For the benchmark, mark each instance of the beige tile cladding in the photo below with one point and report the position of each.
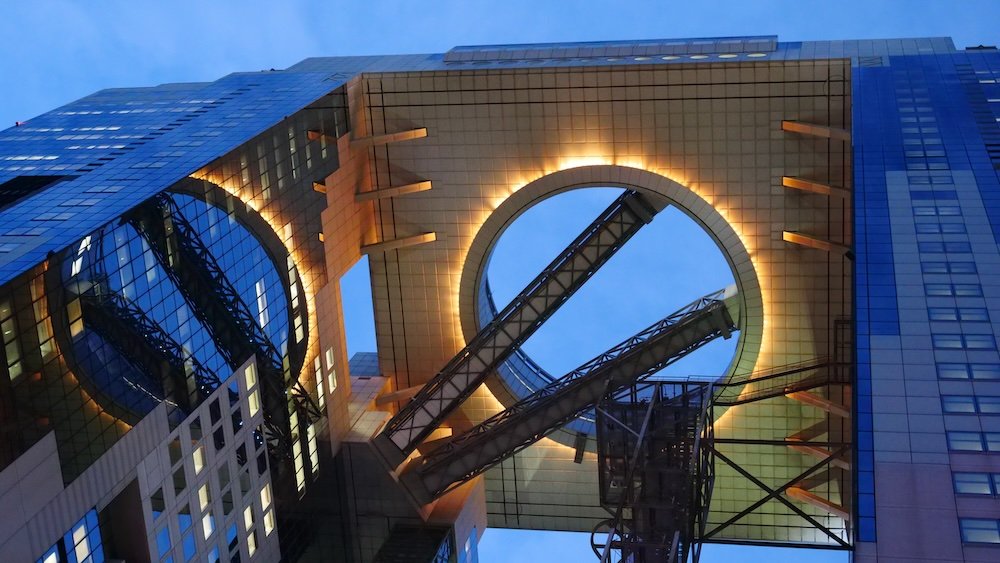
(714, 129)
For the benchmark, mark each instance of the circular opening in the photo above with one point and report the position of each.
(669, 263)
(119, 272)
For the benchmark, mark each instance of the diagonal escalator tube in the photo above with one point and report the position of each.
(532, 418)
(512, 326)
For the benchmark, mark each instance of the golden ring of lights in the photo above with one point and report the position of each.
(652, 184)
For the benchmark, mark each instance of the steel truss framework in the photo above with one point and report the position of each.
(141, 339)
(512, 326)
(217, 304)
(798, 381)
(656, 468)
(526, 422)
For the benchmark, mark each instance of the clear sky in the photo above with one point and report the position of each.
(53, 52)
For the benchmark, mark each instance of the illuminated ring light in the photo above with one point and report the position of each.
(473, 282)
(102, 389)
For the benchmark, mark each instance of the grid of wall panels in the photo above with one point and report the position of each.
(206, 491)
(714, 130)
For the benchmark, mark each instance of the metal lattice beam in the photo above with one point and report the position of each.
(526, 422)
(512, 326)
(213, 299)
(140, 339)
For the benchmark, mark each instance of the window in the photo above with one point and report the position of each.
(965, 442)
(940, 228)
(265, 497)
(970, 404)
(958, 404)
(964, 341)
(948, 267)
(953, 290)
(268, 522)
(198, 456)
(968, 371)
(966, 314)
(163, 541)
(979, 530)
(203, 497)
(975, 483)
(254, 403)
(921, 209)
(937, 246)
(988, 405)
(979, 341)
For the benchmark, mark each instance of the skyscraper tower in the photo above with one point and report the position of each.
(175, 375)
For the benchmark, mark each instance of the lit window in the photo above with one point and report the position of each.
(81, 546)
(318, 374)
(329, 359)
(208, 525)
(199, 459)
(262, 314)
(268, 522)
(254, 402)
(313, 448)
(250, 376)
(979, 530)
(203, 497)
(265, 496)
(248, 518)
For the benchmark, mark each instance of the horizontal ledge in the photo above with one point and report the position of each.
(807, 497)
(814, 187)
(400, 395)
(813, 242)
(314, 135)
(821, 453)
(393, 191)
(399, 136)
(319, 187)
(820, 403)
(814, 130)
(394, 244)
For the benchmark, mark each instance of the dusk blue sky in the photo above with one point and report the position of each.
(54, 52)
